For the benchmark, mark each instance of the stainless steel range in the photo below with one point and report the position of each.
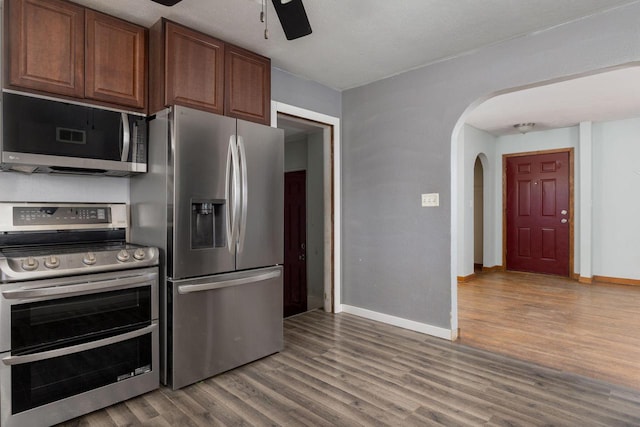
(78, 311)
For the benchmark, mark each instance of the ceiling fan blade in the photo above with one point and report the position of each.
(167, 2)
(293, 18)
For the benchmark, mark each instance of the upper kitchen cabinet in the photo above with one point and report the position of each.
(60, 48)
(247, 85)
(195, 70)
(187, 68)
(45, 46)
(115, 61)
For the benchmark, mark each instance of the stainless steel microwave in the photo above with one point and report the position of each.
(53, 136)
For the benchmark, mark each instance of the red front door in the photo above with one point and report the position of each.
(295, 235)
(537, 213)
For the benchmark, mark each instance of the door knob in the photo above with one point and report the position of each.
(563, 212)
(564, 220)
(301, 257)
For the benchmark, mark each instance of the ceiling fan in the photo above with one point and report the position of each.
(291, 13)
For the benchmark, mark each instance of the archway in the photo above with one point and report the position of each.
(594, 163)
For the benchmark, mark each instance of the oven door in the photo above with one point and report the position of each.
(76, 345)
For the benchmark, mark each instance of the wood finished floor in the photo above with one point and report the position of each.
(591, 330)
(341, 370)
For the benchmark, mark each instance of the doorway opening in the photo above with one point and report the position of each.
(311, 220)
(478, 215)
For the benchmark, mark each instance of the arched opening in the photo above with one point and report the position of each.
(602, 145)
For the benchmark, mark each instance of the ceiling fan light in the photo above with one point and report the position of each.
(524, 127)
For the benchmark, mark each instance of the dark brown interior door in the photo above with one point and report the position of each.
(537, 213)
(295, 235)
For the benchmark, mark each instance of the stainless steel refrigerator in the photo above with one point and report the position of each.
(212, 200)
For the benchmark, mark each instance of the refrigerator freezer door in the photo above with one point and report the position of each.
(261, 233)
(202, 200)
(222, 322)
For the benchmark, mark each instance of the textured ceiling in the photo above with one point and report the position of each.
(355, 42)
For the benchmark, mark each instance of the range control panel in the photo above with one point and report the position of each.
(50, 215)
(37, 216)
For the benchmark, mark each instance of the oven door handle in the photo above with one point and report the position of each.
(83, 288)
(44, 355)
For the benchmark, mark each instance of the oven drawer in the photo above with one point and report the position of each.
(48, 387)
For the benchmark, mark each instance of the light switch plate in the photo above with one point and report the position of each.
(431, 199)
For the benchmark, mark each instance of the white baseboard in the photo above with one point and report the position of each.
(412, 325)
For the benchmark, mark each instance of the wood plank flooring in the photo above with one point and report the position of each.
(592, 330)
(341, 370)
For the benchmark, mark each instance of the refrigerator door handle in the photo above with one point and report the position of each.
(245, 189)
(187, 289)
(231, 193)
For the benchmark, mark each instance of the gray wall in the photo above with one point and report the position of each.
(396, 144)
(307, 94)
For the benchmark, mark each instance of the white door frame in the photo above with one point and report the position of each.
(332, 134)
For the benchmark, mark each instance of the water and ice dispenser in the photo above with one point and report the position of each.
(207, 224)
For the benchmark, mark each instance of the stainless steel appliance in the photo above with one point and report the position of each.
(78, 312)
(213, 202)
(46, 135)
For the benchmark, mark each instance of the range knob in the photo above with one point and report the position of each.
(29, 264)
(89, 258)
(123, 255)
(139, 254)
(52, 262)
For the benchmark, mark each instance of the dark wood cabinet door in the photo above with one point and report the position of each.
(194, 75)
(115, 61)
(46, 46)
(247, 85)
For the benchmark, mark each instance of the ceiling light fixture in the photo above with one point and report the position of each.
(167, 2)
(524, 127)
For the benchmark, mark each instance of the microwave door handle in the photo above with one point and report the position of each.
(126, 137)
(244, 197)
(65, 351)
